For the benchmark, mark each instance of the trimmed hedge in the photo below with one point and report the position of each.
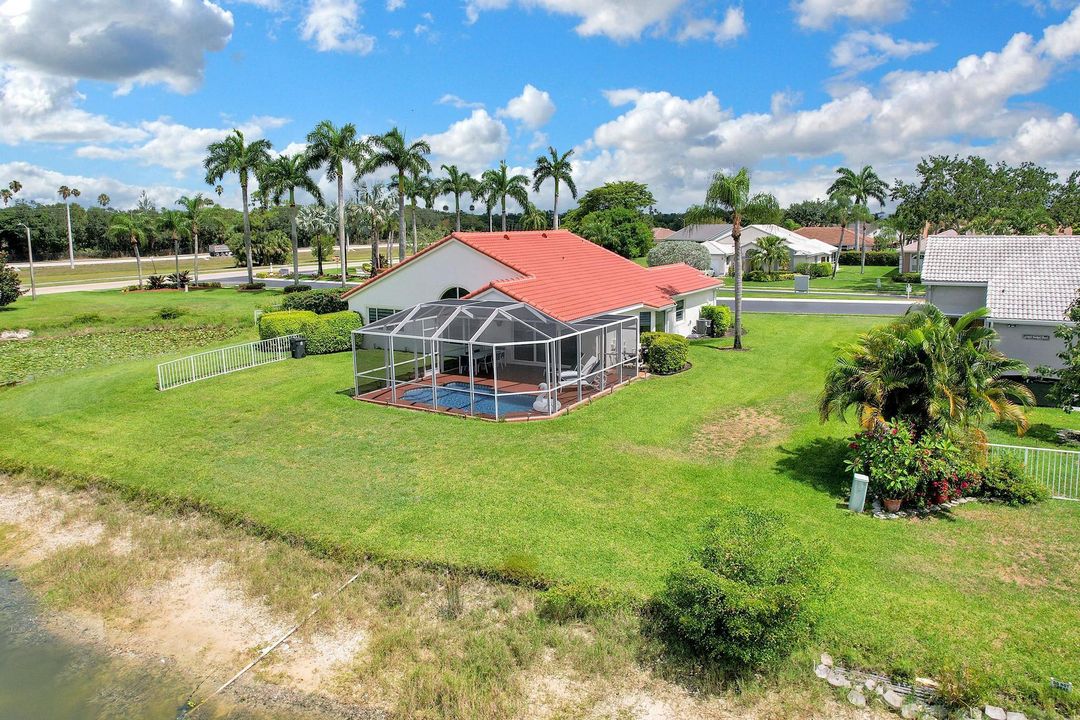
(324, 334)
(320, 302)
(908, 277)
(671, 252)
(289, 289)
(665, 353)
(721, 316)
(248, 287)
(873, 257)
(814, 270)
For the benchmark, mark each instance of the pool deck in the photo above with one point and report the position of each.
(568, 397)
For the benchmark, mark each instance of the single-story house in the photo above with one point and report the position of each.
(1028, 283)
(800, 249)
(840, 238)
(556, 272)
(661, 234)
(702, 232)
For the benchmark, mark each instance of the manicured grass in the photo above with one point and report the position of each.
(613, 493)
(849, 278)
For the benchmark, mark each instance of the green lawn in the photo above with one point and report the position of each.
(611, 494)
(849, 279)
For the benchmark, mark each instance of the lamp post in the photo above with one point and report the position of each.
(30, 253)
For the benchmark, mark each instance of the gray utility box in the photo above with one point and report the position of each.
(703, 327)
(298, 347)
(802, 283)
(859, 484)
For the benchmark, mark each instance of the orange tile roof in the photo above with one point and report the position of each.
(569, 277)
(831, 234)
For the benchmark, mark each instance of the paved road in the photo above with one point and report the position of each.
(80, 262)
(233, 276)
(823, 307)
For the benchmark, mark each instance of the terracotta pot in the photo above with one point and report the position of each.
(892, 505)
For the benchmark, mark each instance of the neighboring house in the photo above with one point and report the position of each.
(701, 233)
(1026, 281)
(800, 249)
(831, 235)
(555, 272)
(661, 234)
(911, 257)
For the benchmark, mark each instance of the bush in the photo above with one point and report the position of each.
(671, 252)
(1005, 478)
(814, 270)
(204, 285)
(171, 312)
(564, 603)
(665, 353)
(179, 280)
(285, 322)
(330, 333)
(289, 289)
(320, 302)
(908, 277)
(748, 596)
(9, 283)
(245, 287)
(155, 282)
(722, 319)
(873, 257)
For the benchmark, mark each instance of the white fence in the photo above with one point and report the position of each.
(1058, 470)
(225, 360)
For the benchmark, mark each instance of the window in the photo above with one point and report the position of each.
(680, 309)
(375, 314)
(645, 321)
(454, 293)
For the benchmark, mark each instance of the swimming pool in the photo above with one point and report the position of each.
(455, 396)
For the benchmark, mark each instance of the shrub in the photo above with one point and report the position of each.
(908, 277)
(814, 270)
(171, 312)
(204, 285)
(1006, 479)
(285, 322)
(574, 601)
(155, 282)
(665, 353)
(321, 302)
(179, 280)
(873, 257)
(886, 453)
(245, 287)
(749, 594)
(289, 289)
(671, 252)
(721, 316)
(330, 333)
(9, 283)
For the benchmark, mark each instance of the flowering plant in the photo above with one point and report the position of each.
(886, 454)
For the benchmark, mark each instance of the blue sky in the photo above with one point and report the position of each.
(118, 99)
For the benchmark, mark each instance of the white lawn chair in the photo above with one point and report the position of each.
(581, 373)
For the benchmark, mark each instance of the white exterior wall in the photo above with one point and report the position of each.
(1034, 344)
(425, 279)
(956, 300)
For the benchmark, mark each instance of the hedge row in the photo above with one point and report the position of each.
(873, 257)
(721, 316)
(665, 353)
(814, 270)
(324, 334)
(321, 302)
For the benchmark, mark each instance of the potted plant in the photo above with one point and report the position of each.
(886, 454)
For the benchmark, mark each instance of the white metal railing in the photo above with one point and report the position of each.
(222, 361)
(1058, 470)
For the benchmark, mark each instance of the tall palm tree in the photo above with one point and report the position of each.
(10, 191)
(416, 188)
(287, 174)
(235, 155)
(66, 193)
(193, 207)
(175, 224)
(533, 218)
(103, 200)
(456, 183)
(391, 150)
(377, 207)
(319, 224)
(555, 167)
(334, 147)
(860, 187)
(500, 185)
(840, 212)
(6, 196)
(126, 227)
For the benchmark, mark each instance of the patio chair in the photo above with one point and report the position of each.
(581, 373)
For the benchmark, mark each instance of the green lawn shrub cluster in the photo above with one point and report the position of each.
(671, 252)
(324, 334)
(289, 289)
(321, 302)
(908, 277)
(665, 353)
(749, 594)
(814, 270)
(1005, 479)
(248, 287)
(873, 257)
(722, 319)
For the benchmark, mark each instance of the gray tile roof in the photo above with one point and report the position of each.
(700, 233)
(1027, 277)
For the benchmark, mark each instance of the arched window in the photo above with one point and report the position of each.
(454, 293)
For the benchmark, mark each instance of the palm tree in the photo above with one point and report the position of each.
(5, 195)
(533, 218)
(10, 191)
(235, 155)
(333, 147)
(860, 187)
(318, 223)
(390, 150)
(125, 227)
(103, 200)
(14, 186)
(923, 369)
(558, 168)
(500, 184)
(65, 193)
(840, 212)
(456, 183)
(377, 207)
(772, 252)
(287, 174)
(193, 209)
(417, 187)
(175, 223)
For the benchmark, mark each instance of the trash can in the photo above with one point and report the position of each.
(859, 484)
(802, 283)
(299, 349)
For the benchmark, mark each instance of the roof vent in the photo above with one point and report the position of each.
(543, 235)
(506, 236)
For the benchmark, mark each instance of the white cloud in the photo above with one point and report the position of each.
(334, 26)
(819, 14)
(145, 42)
(1053, 138)
(731, 27)
(39, 184)
(392, 5)
(455, 101)
(616, 19)
(473, 144)
(533, 108)
(1061, 42)
(862, 50)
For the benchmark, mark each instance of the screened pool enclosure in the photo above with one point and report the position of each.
(494, 359)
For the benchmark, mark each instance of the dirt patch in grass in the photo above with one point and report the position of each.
(727, 434)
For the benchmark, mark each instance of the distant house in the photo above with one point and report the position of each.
(1026, 281)
(556, 272)
(661, 234)
(800, 249)
(831, 235)
(702, 232)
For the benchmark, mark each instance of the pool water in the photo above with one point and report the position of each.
(455, 396)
